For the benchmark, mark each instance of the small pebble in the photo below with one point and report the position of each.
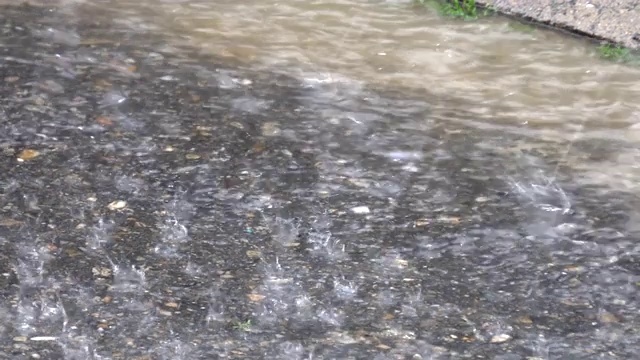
(117, 205)
(27, 154)
(44, 338)
(360, 210)
(498, 339)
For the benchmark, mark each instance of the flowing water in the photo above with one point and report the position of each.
(505, 76)
(312, 180)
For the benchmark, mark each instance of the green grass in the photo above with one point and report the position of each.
(242, 325)
(461, 9)
(619, 54)
(614, 52)
(464, 9)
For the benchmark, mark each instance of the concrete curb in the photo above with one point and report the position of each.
(616, 21)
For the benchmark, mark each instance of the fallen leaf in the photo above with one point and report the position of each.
(103, 272)
(468, 339)
(270, 128)
(255, 297)
(10, 222)
(192, 156)
(237, 125)
(401, 262)
(525, 320)
(573, 268)
(204, 131)
(258, 147)
(71, 252)
(28, 154)
(449, 219)
(117, 205)
(608, 318)
(172, 304)
(104, 121)
(102, 84)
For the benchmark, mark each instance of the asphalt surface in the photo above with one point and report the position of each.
(156, 204)
(616, 21)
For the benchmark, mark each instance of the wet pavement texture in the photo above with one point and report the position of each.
(157, 204)
(613, 20)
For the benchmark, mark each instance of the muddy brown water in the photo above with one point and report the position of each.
(511, 77)
(312, 179)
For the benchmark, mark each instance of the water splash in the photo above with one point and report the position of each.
(327, 246)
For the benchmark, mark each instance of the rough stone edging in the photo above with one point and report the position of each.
(616, 21)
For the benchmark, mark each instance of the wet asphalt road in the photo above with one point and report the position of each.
(157, 204)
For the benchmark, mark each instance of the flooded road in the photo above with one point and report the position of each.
(303, 180)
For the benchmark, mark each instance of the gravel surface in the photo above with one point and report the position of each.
(617, 21)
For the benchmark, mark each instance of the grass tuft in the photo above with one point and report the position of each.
(464, 9)
(242, 325)
(461, 9)
(614, 52)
